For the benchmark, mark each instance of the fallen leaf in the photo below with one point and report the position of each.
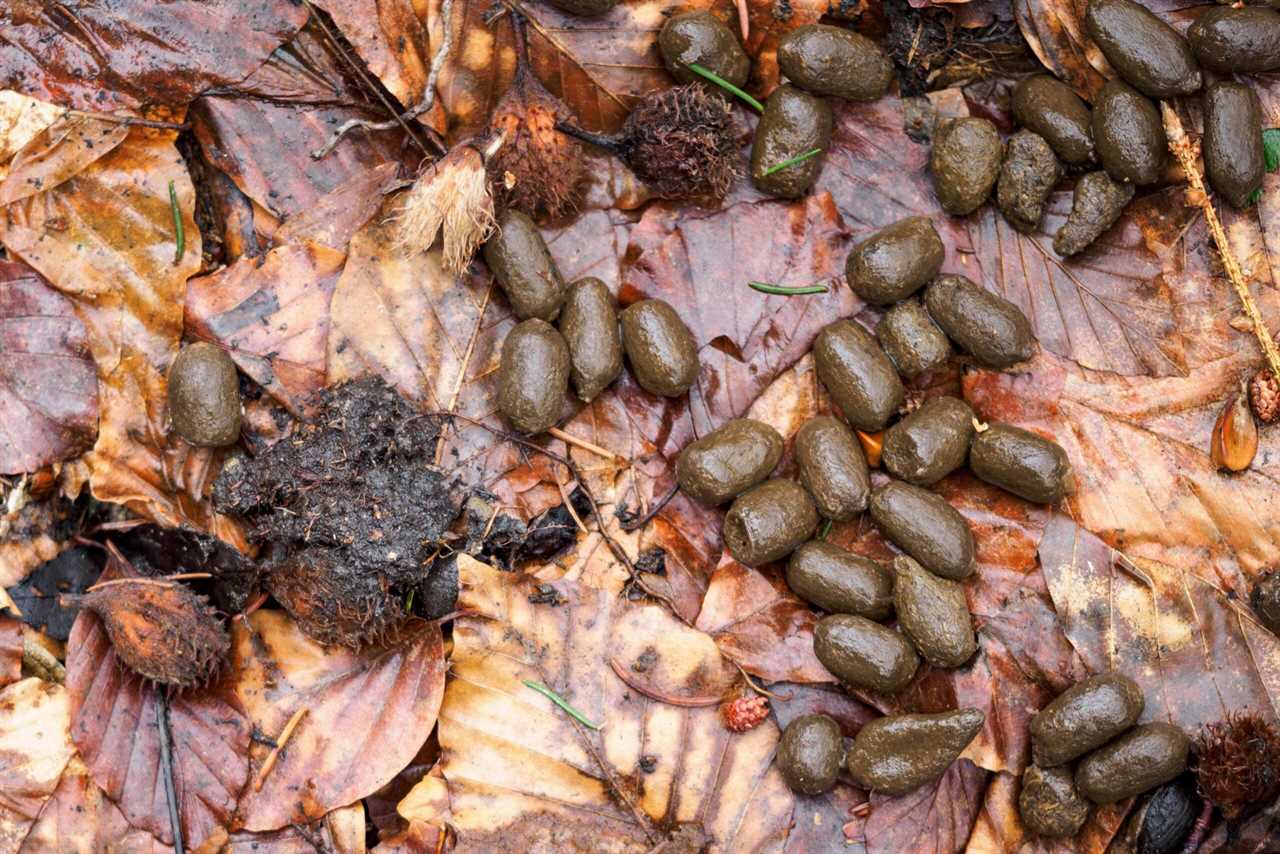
(34, 748)
(10, 650)
(79, 817)
(65, 147)
(339, 832)
(21, 118)
(934, 819)
(391, 37)
(335, 218)
(271, 315)
(114, 726)
(48, 386)
(72, 571)
(137, 53)
(999, 827)
(340, 751)
(522, 770)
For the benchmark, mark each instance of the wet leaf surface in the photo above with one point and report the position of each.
(72, 571)
(343, 749)
(79, 817)
(34, 748)
(48, 386)
(139, 53)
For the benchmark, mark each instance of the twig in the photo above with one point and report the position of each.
(163, 581)
(570, 439)
(132, 121)
(369, 84)
(652, 511)
(428, 94)
(466, 362)
(568, 505)
(179, 234)
(561, 702)
(280, 743)
(166, 767)
(1185, 151)
(757, 688)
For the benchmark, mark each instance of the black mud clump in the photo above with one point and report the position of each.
(350, 509)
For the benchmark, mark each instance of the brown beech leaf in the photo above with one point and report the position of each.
(934, 819)
(263, 131)
(10, 650)
(138, 53)
(341, 750)
(1197, 653)
(69, 144)
(524, 775)
(338, 832)
(34, 748)
(114, 726)
(271, 314)
(21, 119)
(129, 294)
(79, 817)
(391, 37)
(1000, 828)
(48, 386)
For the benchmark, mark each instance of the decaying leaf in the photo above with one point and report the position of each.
(79, 817)
(35, 745)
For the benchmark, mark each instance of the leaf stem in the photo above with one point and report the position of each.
(781, 290)
(725, 85)
(178, 231)
(560, 701)
(792, 161)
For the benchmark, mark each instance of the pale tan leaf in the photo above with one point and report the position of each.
(35, 745)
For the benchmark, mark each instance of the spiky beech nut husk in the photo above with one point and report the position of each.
(1238, 762)
(334, 603)
(1264, 396)
(683, 143)
(538, 169)
(452, 196)
(1234, 441)
(744, 712)
(160, 630)
(1266, 600)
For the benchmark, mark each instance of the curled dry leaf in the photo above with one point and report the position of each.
(114, 726)
(520, 769)
(175, 49)
(35, 746)
(340, 752)
(48, 386)
(271, 314)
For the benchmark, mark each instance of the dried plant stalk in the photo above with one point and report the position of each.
(453, 197)
(1185, 150)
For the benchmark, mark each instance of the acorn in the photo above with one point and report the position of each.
(1238, 762)
(681, 142)
(538, 169)
(335, 604)
(159, 629)
(1234, 441)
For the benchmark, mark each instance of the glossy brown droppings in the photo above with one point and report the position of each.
(1232, 142)
(930, 443)
(522, 266)
(839, 581)
(833, 468)
(965, 162)
(895, 754)
(925, 526)
(1141, 759)
(589, 326)
(809, 754)
(533, 376)
(1053, 110)
(204, 396)
(1096, 204)
(1028, 175)
(864, 654)
(793, 124)
(767, 522)
(857, 374)
(1085, 716)
(1237, 41)
(1021, 462)
(1148, 53)
(911, 340)
(895, 262)
(659, 347)
(835, 61)
(728, 461)
(585, 8)
(987, 326)
(1049, 804)
(700, 38)
(934, 614)
(1129, 134)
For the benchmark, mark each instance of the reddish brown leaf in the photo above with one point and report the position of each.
(391, 37)
(339, 214)
(999, 827)
(48, 386)
(138, 53)
(934, 819)
(271, 314)
(80, 818)
(34, 748)
(10, 650)
(56, 153)
(114, 726)
(340, 751)
(339, 832)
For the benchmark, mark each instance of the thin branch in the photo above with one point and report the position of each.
(132, 121)
(570, 439)
(402, 119)
(643, 520)
(166, 767)
(274, 756)
(1184, 149)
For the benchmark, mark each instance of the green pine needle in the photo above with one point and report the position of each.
(766, 288)
(179, 233)
(1254, 198)
(799, 158)
(559, 701)
(826, 529)
(725, 85)
(1271, 148)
